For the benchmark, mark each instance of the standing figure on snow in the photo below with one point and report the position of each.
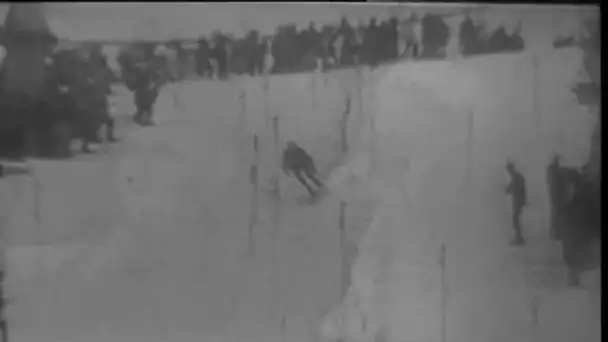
(101, 84)
(578, 224)
(516, 190)
(297, 161)
(147, 87)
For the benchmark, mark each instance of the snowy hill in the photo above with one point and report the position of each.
(149, 241)
(443, 131)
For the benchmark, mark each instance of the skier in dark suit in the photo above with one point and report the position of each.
(516, 189)
(147, 86)
(297, 161)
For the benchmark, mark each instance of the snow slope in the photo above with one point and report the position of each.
(435, 183)
(148, 241)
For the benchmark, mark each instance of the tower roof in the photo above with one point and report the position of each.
(26, 18)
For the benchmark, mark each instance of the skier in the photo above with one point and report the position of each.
(516, 190)
(297, 161)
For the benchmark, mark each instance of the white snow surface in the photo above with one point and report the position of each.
(148, 240)
(434, 183)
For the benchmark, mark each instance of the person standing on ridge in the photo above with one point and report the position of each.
(516, 190)
(297, 161)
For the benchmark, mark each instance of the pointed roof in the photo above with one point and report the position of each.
(26, 17)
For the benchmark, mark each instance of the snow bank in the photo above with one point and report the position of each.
(438, 180)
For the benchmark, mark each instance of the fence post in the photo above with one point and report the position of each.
(253, 210)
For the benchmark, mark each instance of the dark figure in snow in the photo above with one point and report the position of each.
(102, 85)
(203, 53)
(576, 219)
(516, 190)
(297, 161)
(219, 54)
(578, 225)
(147, 87)
(74, 94)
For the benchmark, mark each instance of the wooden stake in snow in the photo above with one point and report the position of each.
(343, 253)
(253, 211)
(444, 292)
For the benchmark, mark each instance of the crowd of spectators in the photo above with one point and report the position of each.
(332, 45)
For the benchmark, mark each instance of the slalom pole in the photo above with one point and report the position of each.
(265, 100)
(313, 90)
(268, 64)
(243, 120)
(277, 145)
(3, 302)
(444, 292)
(253, 210)
(6, 169)
(344, 124)
(535, 93)
(343, 252)
(276, 184)
(470, 138)
(535, 313)
(344, 264)
(360, 90)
